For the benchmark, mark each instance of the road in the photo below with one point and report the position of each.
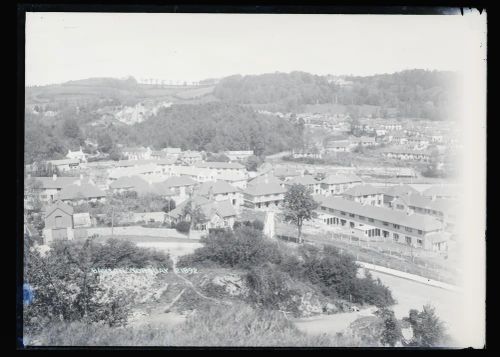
(409, 295)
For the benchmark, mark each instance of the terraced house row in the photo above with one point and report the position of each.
(376, 223)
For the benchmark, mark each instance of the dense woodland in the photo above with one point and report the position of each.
(413, 93)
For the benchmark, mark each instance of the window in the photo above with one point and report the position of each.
(342, 213)
(419, 241)
(59, 222)
(396, 237)
(371, 219)
(408, 240)
(351, 215)
(408, 229)
(419, 231)
(362, 218)
(234, 201)
(396, 226)
(385, 223)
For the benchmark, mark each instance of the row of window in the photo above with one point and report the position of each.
(362, 218)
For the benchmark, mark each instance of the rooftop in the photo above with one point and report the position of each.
(362, 190)
(416, 221)
(220, 165)
(216, 187)
(84, 190)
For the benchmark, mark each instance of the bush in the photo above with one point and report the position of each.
(183, 227)
(269, 287)
(244, 248)
(117, 253)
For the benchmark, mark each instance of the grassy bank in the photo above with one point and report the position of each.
(237, 325)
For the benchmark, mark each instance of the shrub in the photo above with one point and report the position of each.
(269, 287)
(118, 253)
(244, 247)
(183, 227)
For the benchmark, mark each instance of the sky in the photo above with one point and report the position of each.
(192, 47)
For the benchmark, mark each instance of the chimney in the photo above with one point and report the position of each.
(54, 177)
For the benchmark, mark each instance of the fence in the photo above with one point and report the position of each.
(389, 258)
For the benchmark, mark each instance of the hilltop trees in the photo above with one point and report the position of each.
(298, 206)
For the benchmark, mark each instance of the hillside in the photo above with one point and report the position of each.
(412, 93)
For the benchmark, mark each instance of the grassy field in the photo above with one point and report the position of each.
(142, 239)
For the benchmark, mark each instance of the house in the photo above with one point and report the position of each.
(365, 194)
(238, 155)
(365, 141)
(338, 146)
(82, 220)
(337, 184)
(65, 165)
(77, 155)
(182, 187)
(190, 157)
(401, 227)
(166, 164)
(137, 153)
(408, 155)
(81, 192)
(442, 209)
(237, 179)
(310, 152)
(172, 153)
(392, 192)
(221, 191)
(220, 167)
(285, 173)
(216, 214)
(194, 173)
(133, 183)
(148, 171)
(264, 193)
(60, 223)
(49, 187)
(309, 181)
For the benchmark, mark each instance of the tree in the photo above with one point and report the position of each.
(299, 206)
(193, 214)
(71, 129)
(105, 143)
(428, 329)
(391, 329)
(252, 163)
(169, 206)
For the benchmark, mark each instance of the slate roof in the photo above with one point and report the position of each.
(59, 205)
(362, 190)
(85, 190)
(399, 190)
(216, 187)
(58, 183)
(260, 189)
(303, 180)
(220, 165)
(208, 207)
(417, 221)
(178, 181)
